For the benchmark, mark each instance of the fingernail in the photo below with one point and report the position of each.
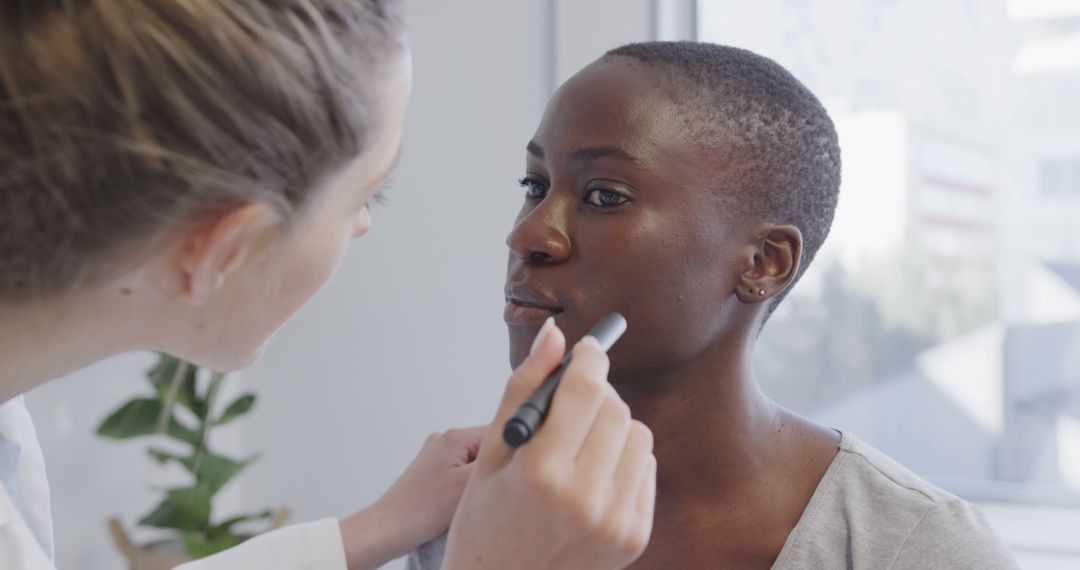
(544, 332)
(591, 340)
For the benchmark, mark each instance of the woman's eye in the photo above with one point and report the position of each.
(379, 199)
(534, 189)
(605, 198)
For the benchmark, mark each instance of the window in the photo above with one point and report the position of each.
(1060, 177)
(941, 322)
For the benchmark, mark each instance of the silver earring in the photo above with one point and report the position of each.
(761, 292)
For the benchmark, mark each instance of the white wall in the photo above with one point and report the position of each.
(585, 30)
(408, 337)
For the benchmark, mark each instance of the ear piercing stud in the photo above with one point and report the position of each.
(761, 292)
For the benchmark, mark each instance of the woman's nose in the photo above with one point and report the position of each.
(540, 236)
(362, 223)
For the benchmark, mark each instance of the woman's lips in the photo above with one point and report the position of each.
(524, 314)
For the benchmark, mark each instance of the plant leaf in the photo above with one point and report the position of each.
(163, 374)
(237, 408)
(199, 545)
(182, 509)
(214, 471)
(185, 434)
(163, 371)
(135, 418)
(226, 525)
(164, 456)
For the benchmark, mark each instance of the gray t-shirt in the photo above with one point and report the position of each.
(867, 512)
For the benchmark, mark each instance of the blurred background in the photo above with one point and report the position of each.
(941, 323)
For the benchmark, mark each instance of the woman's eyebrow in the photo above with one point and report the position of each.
(591, 153)
(609, 151)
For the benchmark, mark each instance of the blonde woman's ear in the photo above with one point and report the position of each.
(220, 245)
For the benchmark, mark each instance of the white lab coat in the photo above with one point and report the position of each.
(26, 527)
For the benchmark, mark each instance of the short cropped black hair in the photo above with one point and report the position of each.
(768, 130)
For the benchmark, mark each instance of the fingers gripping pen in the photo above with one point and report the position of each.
(527, 419)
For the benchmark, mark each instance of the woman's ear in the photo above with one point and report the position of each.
(215, 247)
(773, 259)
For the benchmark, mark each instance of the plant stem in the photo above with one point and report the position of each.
(206, 422)
(170, 396)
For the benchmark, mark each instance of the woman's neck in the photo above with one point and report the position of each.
(714, 429)
(44, 340)
(736, 470)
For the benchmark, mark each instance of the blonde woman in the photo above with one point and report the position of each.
(182, 176)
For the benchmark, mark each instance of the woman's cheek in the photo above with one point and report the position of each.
(315, 264)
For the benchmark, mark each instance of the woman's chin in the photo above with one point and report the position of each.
(223, 359)
(520, 343)
(247, 358)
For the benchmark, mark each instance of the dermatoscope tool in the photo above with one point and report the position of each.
(527, 419)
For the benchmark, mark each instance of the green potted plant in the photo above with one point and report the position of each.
(179, 413)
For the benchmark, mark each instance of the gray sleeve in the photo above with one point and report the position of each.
(429, 556)
(954, 535)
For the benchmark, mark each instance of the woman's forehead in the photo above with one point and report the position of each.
(610, 105)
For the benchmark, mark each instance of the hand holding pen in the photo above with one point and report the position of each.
(580, 494)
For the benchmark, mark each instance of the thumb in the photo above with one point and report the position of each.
(548, 351)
